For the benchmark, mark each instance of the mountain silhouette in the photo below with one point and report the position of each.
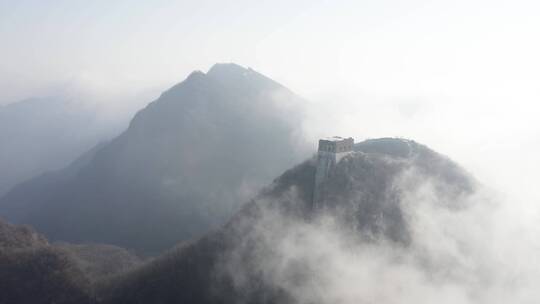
(47, 133)
(184, 165)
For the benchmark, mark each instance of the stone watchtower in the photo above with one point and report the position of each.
(331, 150)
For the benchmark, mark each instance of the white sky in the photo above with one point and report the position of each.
(460, 76)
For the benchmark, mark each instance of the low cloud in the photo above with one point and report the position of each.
(478, 253)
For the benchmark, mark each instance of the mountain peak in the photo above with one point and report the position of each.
(163, 171)
(196, 73)
(226, 69)
(233, 74)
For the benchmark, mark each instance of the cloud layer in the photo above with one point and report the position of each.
(477, 253)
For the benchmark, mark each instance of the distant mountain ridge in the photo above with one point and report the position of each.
(186, 163)
(42, 134)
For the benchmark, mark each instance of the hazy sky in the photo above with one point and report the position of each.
(460, 76)
(384, 48)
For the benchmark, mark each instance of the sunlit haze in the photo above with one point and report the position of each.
(458, 75)
(461, 77)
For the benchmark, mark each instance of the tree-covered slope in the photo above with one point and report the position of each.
(264, 255)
